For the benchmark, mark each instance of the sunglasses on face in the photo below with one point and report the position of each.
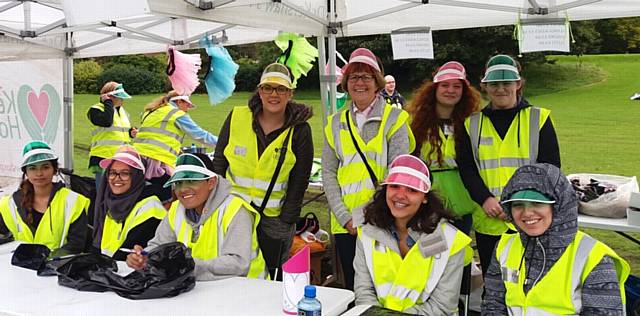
(186, 184)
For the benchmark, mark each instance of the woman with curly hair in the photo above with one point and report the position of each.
(438, 109)
(408, 258)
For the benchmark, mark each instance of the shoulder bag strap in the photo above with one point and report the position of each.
(283, 151)
(374, 179)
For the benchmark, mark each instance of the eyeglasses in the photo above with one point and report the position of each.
(124, 174)
(281, 90)
(186, 184)
(365, 78)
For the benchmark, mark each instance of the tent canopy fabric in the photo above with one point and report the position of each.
(38, 29)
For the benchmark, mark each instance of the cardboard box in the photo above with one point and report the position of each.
(633, 211)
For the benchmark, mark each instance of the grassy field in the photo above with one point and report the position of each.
(589, 98)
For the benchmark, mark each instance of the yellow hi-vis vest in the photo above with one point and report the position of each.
(401, 283)
(158, 137)
(213, 233)
(105, 141)
(114, 234)
(497, 159)
(250, 175)
(559, 291)
(447, 182)
(53, 229)
(356, 186)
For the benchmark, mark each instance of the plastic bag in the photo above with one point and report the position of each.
(612, 204)
(30, 256)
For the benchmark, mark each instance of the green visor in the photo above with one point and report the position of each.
(501, 68)
(529, 196)
(119, 92)
(36, 152)
(189, 168)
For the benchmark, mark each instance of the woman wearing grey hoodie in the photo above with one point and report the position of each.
(549, 267)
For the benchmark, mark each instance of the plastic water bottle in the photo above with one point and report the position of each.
(309, 304)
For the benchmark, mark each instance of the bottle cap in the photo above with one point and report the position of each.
(310, 291)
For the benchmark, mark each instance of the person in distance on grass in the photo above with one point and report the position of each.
(252, 140)
(367, 128)
(163, 126)
(506, 134)
(218, 227)
(408, 258)
(390, 94)
(549, 267)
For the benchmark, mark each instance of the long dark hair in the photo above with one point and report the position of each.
(28, 192)
(426, 124)
(378, 213)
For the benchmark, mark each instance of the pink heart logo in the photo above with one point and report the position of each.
(39, 105)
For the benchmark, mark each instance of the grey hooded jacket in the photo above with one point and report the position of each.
(235, 256)
(600, 291)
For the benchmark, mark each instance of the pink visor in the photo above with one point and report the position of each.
(450, 71)
(127, 155)
(409, 171)
(363, 56)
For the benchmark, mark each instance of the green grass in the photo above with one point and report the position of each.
(595, 121)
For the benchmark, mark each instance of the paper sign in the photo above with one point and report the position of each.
(412, 43)
(84, 12)
(544, 37)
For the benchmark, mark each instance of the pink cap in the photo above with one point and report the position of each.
(363, 56)
(449, 71)
(338, 73)
(409, 171)
(125, 154)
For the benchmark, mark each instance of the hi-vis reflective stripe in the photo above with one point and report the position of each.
(156, 143)
(159, 131)
(534, 133)
(177, 224)
(68, 211)
(474, 135)
(531, 311)
(14, 214)
(582, 254)
(447, 164)
(356, 187)
(259, 184)
(221, 210)
(109, 129)
(272, 203)
(505, 162)
(107, 142)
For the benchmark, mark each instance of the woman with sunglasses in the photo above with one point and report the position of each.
(506, 134)
(125, 213)
(368, 128)
(218, 227)
(42, 211)
(253, 140)
(408, 257)
(164, 125)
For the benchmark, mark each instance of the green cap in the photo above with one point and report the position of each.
(190, 167)
(529, 196)
(501, 68)
(119, 92)
(35, 152)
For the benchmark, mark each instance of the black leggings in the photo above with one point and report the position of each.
(486, 245)
(346, 248)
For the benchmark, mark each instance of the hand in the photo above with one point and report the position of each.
(133, 132)
(492, 208)
(104, 97)
(349, 226)
(136, 260)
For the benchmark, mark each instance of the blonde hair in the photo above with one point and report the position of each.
(108, 87)
(160, 101)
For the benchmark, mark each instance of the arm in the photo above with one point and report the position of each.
(220, 162)
(549, 150)
(164, 234)
(331, 187)
(77, 235)
(139, 235)
(299, 176)
(102, 118)
(363, 284)
(469, 171)
(601, 291)
(398, 143)
(444, 298)
(493, 302)
(191, 128)
(235, 256)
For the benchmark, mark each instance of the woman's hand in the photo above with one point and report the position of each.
(136, 260)
(349, 226)
(492, 208)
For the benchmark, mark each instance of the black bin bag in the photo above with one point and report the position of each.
(30, 256)
(169, 272)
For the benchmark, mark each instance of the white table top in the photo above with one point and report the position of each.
(615, 224)
(22, 292)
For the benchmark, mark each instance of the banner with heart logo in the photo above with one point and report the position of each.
(31, 108)
(40, 112)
